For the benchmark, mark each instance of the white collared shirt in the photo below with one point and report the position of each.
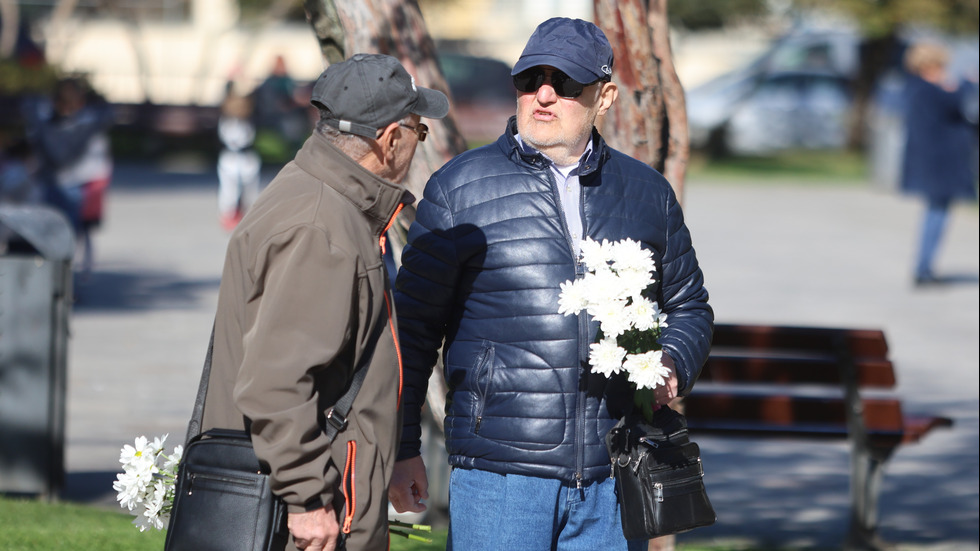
(570, 192)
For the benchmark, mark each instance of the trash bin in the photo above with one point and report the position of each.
(36, 248)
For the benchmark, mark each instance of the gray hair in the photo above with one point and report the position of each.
(354, 146)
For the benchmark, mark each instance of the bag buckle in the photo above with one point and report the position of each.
(338, 421)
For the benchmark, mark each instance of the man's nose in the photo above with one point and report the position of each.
(546, 93)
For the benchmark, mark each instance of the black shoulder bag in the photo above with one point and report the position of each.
(222, 499)
(658, 476)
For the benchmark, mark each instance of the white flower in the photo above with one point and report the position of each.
(629, 256)
(634, 283)
(596, 255)
(146, 485)
(643, 314)
(604, 290)
(139, 452)
(646, 370)
(612, 317)
(171, 462)
(606, 357)
(574, 297)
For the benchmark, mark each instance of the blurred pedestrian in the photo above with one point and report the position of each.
(70, 135)
(941, 138)
(304, 303)
(239, 166)
(281, 116)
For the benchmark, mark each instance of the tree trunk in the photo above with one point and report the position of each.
(873, 59)
(396, 28)
(10, 17)
(649, 122)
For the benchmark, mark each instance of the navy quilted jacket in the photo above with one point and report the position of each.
(486, 255)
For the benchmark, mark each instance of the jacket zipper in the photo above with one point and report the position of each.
(233, 480)
(384, 233)
(391, 322)
(349, 489)
(485, 364)
(579, 448)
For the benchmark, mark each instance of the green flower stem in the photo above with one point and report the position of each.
(644, 400)
(409, 536)
(419, 527)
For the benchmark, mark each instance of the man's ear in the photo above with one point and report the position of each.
(388, 141)
(607, 96)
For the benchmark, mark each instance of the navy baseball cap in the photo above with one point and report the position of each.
(575, 47)
(371, 91)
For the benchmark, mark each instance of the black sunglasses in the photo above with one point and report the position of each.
(529, 80)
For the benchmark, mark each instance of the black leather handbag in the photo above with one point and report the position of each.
(222, 497)
(658, 476)
(223, 500)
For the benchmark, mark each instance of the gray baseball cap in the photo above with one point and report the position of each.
(371, 91)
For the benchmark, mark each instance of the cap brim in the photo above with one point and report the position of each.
(574, 70)
(432, 104)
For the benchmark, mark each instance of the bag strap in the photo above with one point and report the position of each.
(336, 416)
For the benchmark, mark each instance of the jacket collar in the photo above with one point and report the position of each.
(527, 155)
(376, 197)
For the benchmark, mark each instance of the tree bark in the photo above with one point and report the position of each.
(649, 122)
(396, 28)
(10, 16)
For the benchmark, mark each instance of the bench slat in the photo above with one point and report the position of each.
(859, 342)
(880, 415)
(724, 368)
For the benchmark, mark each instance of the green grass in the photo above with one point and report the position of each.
(32, 525)
(842, 167)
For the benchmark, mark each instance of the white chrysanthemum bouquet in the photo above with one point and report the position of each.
(146, 485)
(613, 292)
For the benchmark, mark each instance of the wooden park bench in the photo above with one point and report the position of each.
(809, 382)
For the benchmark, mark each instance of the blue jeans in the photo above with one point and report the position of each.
(933, 224)
(490, 512)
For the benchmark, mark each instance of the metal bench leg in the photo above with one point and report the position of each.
(866, 470)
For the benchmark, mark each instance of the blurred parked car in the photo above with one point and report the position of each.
(796, 95)
(790, 110)
(483, 95)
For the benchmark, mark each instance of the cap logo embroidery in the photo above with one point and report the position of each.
(605, 69)
(414, 89)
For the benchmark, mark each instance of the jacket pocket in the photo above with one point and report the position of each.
(484, 378)
(349, 487)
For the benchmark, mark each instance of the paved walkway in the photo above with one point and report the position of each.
(788, 253)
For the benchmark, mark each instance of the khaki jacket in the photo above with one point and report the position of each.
(304, 300)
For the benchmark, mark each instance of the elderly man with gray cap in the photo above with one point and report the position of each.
(304, 303)
(498, 231)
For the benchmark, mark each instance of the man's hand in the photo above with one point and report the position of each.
(409, 486)
(667, 392)
(315, 530)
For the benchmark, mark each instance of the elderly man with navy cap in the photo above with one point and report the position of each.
(496, 234)
(304, 304)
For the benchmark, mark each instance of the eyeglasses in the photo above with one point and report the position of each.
(528, 81)
(420, 130)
